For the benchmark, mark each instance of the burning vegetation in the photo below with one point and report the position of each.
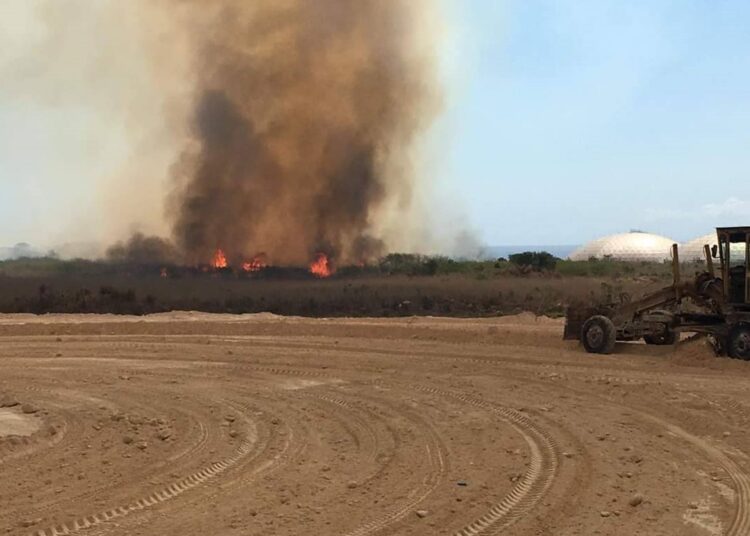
(321, 266)
(256, 264)
(304, 117)
(219, 260)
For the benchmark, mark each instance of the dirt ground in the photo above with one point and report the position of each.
(196, 424)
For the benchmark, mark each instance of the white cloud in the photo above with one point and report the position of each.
(687, 222)
(732, 207)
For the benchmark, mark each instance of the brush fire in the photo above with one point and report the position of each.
(310, 110)
(320, 267)
(219, 260)
(256, 264)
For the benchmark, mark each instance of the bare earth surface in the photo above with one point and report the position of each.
(193, 424)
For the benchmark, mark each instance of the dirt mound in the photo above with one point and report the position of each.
(694, 349)
(530, 319)
(697, 351)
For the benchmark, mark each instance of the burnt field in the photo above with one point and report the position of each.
(399, 286)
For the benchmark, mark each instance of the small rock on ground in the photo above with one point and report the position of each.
(635, 500)
(29, 408)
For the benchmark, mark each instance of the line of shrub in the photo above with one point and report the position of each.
(521, 264)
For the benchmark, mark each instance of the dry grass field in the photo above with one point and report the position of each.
(366, 296)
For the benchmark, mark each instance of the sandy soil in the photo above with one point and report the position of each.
(193, 424)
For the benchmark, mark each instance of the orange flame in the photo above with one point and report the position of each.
(256, 264)
(321, 266)
(219, 260)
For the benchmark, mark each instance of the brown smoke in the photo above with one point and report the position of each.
(142, 249)
(303, 110)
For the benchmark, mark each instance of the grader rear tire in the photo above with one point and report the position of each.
(598, 335)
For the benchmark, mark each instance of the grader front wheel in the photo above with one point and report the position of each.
(598, 335)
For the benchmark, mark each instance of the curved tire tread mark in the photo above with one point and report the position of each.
(740, 525)
(531, 486)
(435, 453)
(166, 493)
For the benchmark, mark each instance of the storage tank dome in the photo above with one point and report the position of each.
(693, 250)
(633, 246)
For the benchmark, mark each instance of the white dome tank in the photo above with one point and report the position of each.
(693, 250)
(634, 246)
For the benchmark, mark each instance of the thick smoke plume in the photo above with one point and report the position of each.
(142, 249)
(305, 114)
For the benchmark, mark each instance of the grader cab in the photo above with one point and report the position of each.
(713, 304)
(734, 251)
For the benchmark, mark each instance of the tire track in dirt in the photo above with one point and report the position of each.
(596, 371)
(398, 512)
(435, 452)
(449, 378)
(740, 525)
(533, 484)
(519, 501)
(90, 493)
(278, 448)
(437, 462)
(281, 371)
(153, 499)
(361, 424)
(166, 493)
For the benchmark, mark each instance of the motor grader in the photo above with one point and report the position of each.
(715, 303)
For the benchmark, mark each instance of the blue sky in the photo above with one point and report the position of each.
(564, 120)
(580, 118)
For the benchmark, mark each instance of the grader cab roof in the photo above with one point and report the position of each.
(735, 233)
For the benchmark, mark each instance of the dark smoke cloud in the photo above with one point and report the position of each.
(142, 249)
(302, 111)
